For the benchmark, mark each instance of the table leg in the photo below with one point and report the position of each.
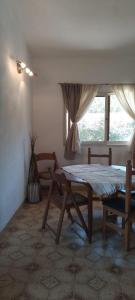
(90, 214)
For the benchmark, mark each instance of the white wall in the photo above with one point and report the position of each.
(48, 104)
(15, 115)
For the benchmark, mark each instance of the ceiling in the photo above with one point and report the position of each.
(78, 26)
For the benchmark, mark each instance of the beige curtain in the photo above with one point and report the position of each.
(76, 97)
(126, 96)
(87, 96)
(71, 96)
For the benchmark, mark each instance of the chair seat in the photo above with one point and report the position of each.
(96, 197)
(44, 175)
(62, 196)
(118, 204)
(123, 191)
(79, 199)
(81, 189)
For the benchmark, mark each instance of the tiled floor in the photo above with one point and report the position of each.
(32, 267)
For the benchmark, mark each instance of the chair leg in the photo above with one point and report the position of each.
(105, 214)
(70, 215)
(47, 206)
(40, 193)
(60, 221)
(46, 213)
(80, 216)
(123, 223)
(127, 234)
(90, 215)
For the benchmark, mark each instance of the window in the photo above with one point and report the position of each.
(104, 121)
(121, 124)
(92, 125)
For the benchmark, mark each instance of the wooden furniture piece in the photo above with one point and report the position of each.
(133, 159)
(121, 206)
(103, 180)
(91, 155)
(108, 156)
(51, 161)
(66, 199)
(123, 191)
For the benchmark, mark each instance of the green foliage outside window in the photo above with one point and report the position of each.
(92, 125)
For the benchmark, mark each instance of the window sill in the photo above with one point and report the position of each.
(104, 143)
(117, 143)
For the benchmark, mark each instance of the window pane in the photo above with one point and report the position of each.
(121, 124)
(92, 125)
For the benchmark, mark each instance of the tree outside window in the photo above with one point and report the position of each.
(105, 120)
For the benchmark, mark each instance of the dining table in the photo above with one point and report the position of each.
(102, 180)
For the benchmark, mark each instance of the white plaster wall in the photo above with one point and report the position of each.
(48, 105)
(15, 114)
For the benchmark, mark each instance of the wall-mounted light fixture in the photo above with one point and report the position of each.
(21, 66)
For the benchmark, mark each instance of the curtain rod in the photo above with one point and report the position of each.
(126, 83)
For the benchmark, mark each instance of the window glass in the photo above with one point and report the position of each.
(92, 125)
(121, 124)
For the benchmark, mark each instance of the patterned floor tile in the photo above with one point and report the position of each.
(16, 255)
(21, 275)
(64, 276)
(97, 283)
(33, 267)
(24, 237)
(5, 261)
(12, 290)
(110, 292)
(37, 291)
(85, 276)
(93, 257)
(61, 292)
(5, 280)
(123, 296)
(49, 282)
(4, 245)
(85, 292)
(55, 256)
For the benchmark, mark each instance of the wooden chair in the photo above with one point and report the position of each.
(65, 199)
(109, 156)
(121, 206)
(133, 159)
(51, 161)
(123, 191)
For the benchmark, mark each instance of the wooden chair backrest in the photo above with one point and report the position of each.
(129, 173)
(47, 156)
(61, 181)
(133, 159)
(109, 156)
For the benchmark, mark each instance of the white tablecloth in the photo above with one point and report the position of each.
(104, 180)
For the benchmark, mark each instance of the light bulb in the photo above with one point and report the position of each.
(27, 70)
(23, 65)
(31, 73)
